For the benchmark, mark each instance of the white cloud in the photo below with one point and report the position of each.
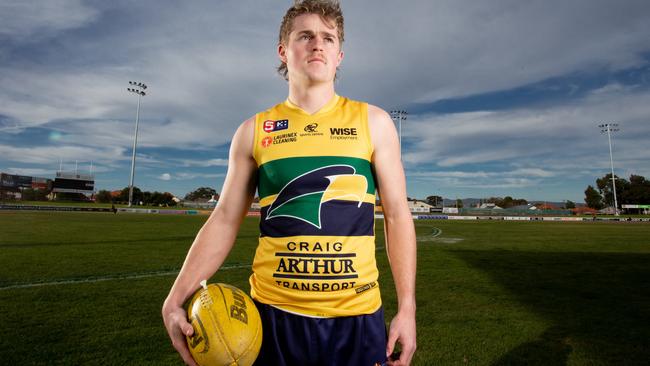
(34, 172)
(611, 89)
(533, 172)
(524, 172)
(209, 74)
(536, 137)
(189, 176)
(454, 48)
(38, 97)
(481, 180)
(204, 163)
(22, 19)
(449, 174)
(552, 150)
(52, 155)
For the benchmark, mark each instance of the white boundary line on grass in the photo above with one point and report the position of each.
(108, 278)
(130, 277)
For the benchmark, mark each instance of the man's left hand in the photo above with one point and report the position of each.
(402, 331)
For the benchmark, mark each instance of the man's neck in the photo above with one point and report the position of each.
(311, 99)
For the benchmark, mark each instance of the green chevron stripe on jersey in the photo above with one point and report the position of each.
(274, 175)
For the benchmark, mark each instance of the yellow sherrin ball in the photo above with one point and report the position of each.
(227, 326)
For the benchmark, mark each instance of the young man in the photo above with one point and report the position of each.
(316, 160)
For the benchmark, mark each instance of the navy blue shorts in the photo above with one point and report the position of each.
(291, 339)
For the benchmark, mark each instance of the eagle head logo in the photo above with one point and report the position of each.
(303, 196)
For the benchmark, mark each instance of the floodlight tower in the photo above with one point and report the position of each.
(609, 128)
(399, 116)
(139, 89)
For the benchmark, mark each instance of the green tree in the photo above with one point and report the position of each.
(158, 198)
(29, 194)
(153, 198)
(103, 196)
(459, 203)
(167, 199)
(569, 204)
(137, 195)
(507, 201)
(203, 192)
(605, 187)
(638, 192)
(434, 201)
(146, 197)
(593, 199)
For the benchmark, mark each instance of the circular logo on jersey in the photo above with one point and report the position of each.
(267, 141)
(311, 127)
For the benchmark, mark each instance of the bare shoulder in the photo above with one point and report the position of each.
(378, 117)
(247, 126)
(242, 141)
(381, 125)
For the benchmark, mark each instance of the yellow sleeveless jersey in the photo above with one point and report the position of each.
(316, 252)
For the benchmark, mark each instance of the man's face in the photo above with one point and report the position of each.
(312, 51)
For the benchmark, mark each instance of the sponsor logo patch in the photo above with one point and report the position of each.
(267, 141)
(305, 264)
(311, 130)
(343, 133)
(366, 287)
(284, 138)
(279, 139)
(272, 126)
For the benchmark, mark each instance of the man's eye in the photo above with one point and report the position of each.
(329, 39)
(306, 36)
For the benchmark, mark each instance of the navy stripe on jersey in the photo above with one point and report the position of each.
(338, 218)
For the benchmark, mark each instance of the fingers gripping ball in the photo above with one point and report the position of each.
(227, 326)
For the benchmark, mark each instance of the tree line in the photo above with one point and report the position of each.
(503, 202)
(437, 201)
(506, 202)
(636, 190)
(146, 198)
(201, 193)
(154, 198)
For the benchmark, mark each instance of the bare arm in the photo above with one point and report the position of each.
(399, 230)
(216, 238)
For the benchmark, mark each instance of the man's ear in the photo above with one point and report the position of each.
(282, 53)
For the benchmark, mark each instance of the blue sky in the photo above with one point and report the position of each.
(504, 96)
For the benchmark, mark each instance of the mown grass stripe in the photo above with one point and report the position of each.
(114, 277)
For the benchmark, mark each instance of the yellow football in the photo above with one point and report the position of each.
(227, 326)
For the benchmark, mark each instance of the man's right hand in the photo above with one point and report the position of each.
(216, 237)
(175, 319)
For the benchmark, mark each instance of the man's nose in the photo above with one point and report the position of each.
(318, 43)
